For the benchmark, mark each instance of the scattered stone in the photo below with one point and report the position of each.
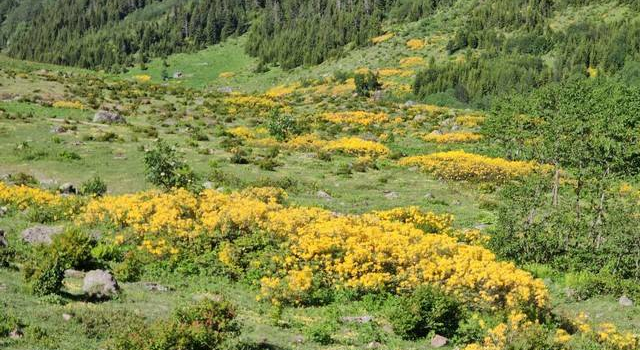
(177, 75)
(3, 287)
(3, 239)
(298, 339)
(438, 341)
(324, 195)
(71, 273)
(356, 319)
(391, 195)
(68, 188)
(625, 301)
(374, 345)
(436, 132)
(107, 117)
(208, 296)
(207, 185)
(40, 234)
(16, 334)
(155, 287)
(58, 129)
(67, 317)
(377, 95)
(409, 103)
(457, 202)
(225, 89)
(481, 226)
(100, 284)
(429, 196)
(571, 293)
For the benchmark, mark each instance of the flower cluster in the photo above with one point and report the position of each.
(281, 90)
(357, 146)
(393, 250)
(412, 61)
(460, 165)
(382, 38)
(415, 44)
(68, 104)
(142, 78)
(251, 102)
(452, 137)
(226, 75)
(469, 120)
(356, 117)
(24, 197)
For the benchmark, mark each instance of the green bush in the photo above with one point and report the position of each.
(8, 322)
(164, 168)
(282, 126)
(69, 249)
(7, 255)
(94, 187)
(427, 310)
(366, 83)
(321, 332)
(205, 325)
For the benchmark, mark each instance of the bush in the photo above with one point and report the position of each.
(94, 186)
(366, 83)
(202, 326)
(70, 249)
(165, 169)
(427, 310)
(321, 332)
(6, 256)
(282, 126)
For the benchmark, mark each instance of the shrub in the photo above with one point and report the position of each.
(366, 82)
(427, 310)
(6, 256)
(94, 187)
(165, 169)
(69, 249)
(321, 332)
(282, 126)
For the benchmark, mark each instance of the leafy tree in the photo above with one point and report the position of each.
(166, 169)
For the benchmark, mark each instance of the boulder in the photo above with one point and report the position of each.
(40, 234)
(625, 301)
(324, 195)
(58, 129)
(71, 273)
(356, 319)
(391, 195)
(16, 334)
(100, 284)
(177, 75)
(67, 317)
(438, 341)
(3, 239)
(106, 117)
(298, 339)
(155, 287)
(68, 188)
(3, 211)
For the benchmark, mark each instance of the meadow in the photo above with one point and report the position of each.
(323, 207)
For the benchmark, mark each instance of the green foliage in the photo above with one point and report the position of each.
(69, 249)
(366, 83)
(321, 332)
(427, 310)
(94, 187)
(8, 322)
(202, 326)
(282, 126)
(166, 169)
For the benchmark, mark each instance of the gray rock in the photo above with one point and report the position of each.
(67, 317)
(323, 195)
(409, 103)
(377, 95)
(3, 239)
(429, 196)
(208, 185)
(177, 75)
(71, 273)
(225, 89)
(107, 117)
(3, 211)
(481, 226)
(68, 188)
(625, 301)
(100, 284)
(298, 339)
(58, 129)
(356, 319)
(391, 195)
(374, 345)
(16, 334)
(155, 287)
(40, 234)
(438, 341)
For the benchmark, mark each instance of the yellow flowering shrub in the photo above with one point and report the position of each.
(460, 165)
(453, 137)
(306, 142)
(251, 102)
(356, 117)
(281, 90)
(382, 38)
(415, 44)
(388, 72)
(243, 132)
(226, 75)
(395, 249)
(24, 197)
(469, 120)
(68, 104)
(411, 61)
(142, 78)
(357, 146)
